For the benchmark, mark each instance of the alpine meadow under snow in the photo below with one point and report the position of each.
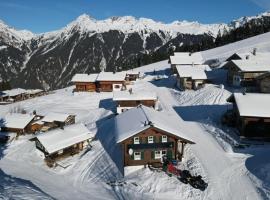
(231, 172)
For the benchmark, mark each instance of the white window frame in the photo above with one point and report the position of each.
(164, 138)
(158, 155)
(136, 140)
(138, 156)
(150, 139)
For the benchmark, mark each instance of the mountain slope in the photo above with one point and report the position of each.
(87, 45)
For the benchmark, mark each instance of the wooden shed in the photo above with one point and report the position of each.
(190, 77)
(244, 72)
(263, 82)
(251, 113)
(110, 81)
(18, 123)
(64, 142)
(85, 82)
(129, 99)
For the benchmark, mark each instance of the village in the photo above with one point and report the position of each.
(137, 126)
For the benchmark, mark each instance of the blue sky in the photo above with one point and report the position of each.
(47, 15)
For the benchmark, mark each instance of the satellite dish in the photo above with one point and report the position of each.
(130, 151)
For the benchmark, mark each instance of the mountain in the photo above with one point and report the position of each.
(86, 45)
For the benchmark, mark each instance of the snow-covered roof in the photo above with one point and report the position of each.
(111, 76)
(34, 91)
(252, 66)
(253, 104)
(59, 139)
(184, 58)
(16, 120)
(84, 78)
(14, 92)
(134, 95)
(140, 118)
(194, 72)
(52, 117)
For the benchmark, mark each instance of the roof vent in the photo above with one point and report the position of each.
(247, 57)
(150, 123)
(130, 91)
(190, 54)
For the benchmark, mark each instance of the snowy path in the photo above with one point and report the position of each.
(227, 176)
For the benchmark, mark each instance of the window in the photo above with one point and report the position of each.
(160, 154)
(157, 154)
(150, 139)
(116, 86)
(136, 140)
(164, 138)
(137, 156)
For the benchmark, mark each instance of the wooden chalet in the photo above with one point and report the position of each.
(111, 81)
(130, 99)
(52, 121)
(17, 123)
(190, 77)
(64, 142)
(244, 72)
(251, 114)
(146, 135)
(14, 95)
(32, 93)
(185, 58)
(263, 83)
(85, 82)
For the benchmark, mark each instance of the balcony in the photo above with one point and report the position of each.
(151, 145)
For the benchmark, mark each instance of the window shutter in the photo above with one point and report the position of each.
(169, 154)
(132, 156)
(141, 140)
(160, 139)
(152, 154)
(142, 155)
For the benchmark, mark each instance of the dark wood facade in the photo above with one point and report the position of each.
(236, 77)
(263, 83)
(85, 87)
(132, 77)
(18, 131)
(132, 103)
(109, 86)
(149, 153)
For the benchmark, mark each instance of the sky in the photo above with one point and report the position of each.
(41, 16)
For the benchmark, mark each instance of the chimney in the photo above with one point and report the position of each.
(247, 57)
(254, 51)
(190, 53)
(130, 91)
(244, 91)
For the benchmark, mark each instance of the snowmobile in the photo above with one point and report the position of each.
(195, 181)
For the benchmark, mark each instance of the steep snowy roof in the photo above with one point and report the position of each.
(252, 65)
(193, 72)
(59, 117)
(59, 139)
(110, 76)
(16, 120)
(253, 104)
(14, 92)
(184, 58)
(124, 129)
(134, 96)
(84, 78)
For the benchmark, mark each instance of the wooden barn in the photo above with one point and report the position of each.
(85, 82)
(65, 142)
(15, 95)
(130, 99)
(51, 121)
(251, 114)
(263, 83)
(185, 58)
(17, 123)
(132, 75)
(149, 137)
(244, 72)
(190, 77)
(111, 81)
